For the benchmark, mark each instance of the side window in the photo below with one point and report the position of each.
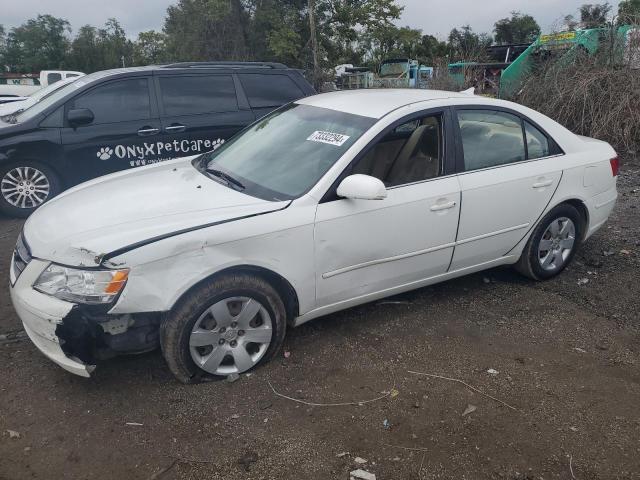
(410, 153)
(53, 78)
(269, 90)
(55, 119)
(537, 142)
(119, 101)
(490, 138)
(190, 95)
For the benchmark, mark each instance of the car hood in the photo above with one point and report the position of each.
(111, 213)
(13, 107)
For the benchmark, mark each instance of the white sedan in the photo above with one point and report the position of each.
(329, 202)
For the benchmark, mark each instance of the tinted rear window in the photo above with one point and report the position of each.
(188, 95)
(269, 90)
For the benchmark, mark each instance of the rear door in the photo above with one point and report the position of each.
(124, 133)
(199, 112)
(509, 170)
(267, 91)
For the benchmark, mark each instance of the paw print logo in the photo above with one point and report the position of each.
(216, 144)
(104, 153)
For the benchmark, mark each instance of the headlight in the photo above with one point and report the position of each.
(81, 286)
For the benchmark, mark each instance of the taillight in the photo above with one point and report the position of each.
(615, 166)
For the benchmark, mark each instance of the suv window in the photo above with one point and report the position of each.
(119, 101)
(537, 142)
(188, 95)
(269, 90)
(410, 153)
(490, 138)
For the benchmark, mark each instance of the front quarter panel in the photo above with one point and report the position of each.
(162, 272)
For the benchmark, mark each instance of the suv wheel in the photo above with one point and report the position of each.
(25, 187)
(223, 327)
(553, 243)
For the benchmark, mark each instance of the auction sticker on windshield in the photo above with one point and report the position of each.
(336, 139)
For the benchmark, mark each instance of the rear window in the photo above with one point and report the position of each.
(53, 78)
(269, 90)
(188, 95)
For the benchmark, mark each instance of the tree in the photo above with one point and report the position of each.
(517, 29)
(38, 44)
(84, 55)
(629, 12)
(594, 15)
(432, 49)
(465, 45)
(207, 30)
(3, 39)
(570, 23)
(96, 49)
(116, 49)
(277, 30)
(345, 24)
(150, 48)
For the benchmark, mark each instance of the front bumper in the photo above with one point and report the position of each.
(41, 315)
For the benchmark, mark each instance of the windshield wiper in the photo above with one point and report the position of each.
(226, 177)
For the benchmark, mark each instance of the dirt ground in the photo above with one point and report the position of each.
(567, 356)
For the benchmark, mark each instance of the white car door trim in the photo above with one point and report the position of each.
(492, 234)
(387, 260)
(421, 252)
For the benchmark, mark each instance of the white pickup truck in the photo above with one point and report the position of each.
(18, 88)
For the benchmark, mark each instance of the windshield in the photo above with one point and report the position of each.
(45, 102)
(46, 91)
(285, 154)
(396, 69)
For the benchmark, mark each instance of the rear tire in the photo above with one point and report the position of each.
(26, 186)
(224, 326)
(552, 244)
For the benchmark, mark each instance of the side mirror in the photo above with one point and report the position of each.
(79, 116)
(362, 187)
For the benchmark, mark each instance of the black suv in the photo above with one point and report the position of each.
(117, 119)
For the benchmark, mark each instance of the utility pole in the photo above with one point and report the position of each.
(314, 43)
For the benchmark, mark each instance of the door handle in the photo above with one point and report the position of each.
(147, 132)
(175, 128)
(543, 183)
(443, 206)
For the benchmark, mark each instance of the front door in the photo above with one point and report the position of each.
(124, 133)
(369, 246)
(510, 172)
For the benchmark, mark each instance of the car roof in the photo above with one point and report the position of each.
(375, 103)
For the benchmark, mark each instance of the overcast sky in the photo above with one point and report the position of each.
(436, 17)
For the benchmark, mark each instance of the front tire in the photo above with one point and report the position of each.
(25, 186)
(225, 326)
(553, 243)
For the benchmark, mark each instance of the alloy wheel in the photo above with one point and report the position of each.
(231, 336)
(556, 244)
(25, 187)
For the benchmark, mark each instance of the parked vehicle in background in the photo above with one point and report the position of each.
(13, 108)
(14, 87)
(394, 73)
(510, 65)
(332, 201)
(125, 118)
